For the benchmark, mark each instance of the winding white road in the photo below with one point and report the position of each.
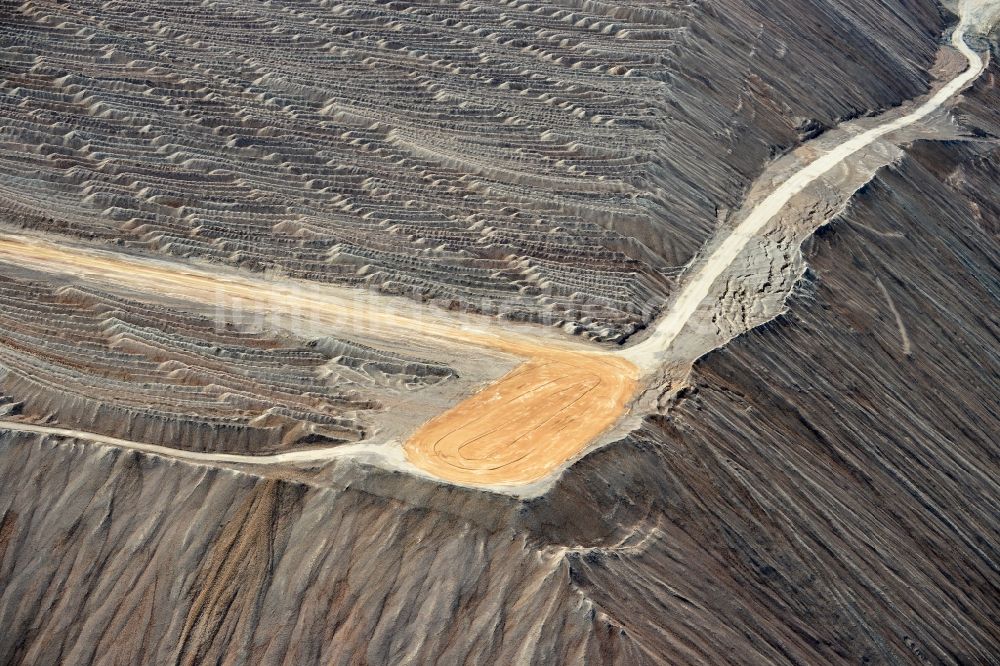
(648, 355)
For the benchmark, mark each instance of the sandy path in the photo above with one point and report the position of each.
(289, 457)
(350, 311)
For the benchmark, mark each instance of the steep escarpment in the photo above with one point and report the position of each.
(825, 491)
(549, 161)
(142, 560)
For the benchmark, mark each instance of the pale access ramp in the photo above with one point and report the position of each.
(651, 354)
(302, 457)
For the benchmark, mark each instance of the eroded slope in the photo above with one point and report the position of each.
(826, 491)
(155, 374)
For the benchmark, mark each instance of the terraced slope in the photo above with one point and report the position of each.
(518, 429)
(134, 369)
(552, 161)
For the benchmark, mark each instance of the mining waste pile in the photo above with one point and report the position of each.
(508, 157)
(390, 332)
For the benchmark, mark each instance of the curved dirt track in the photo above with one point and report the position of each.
(528, 423)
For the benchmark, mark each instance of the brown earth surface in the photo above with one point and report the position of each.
(522, 427)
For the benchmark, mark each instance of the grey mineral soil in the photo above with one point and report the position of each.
(824, 491)
(821, 494)
(556, 162)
